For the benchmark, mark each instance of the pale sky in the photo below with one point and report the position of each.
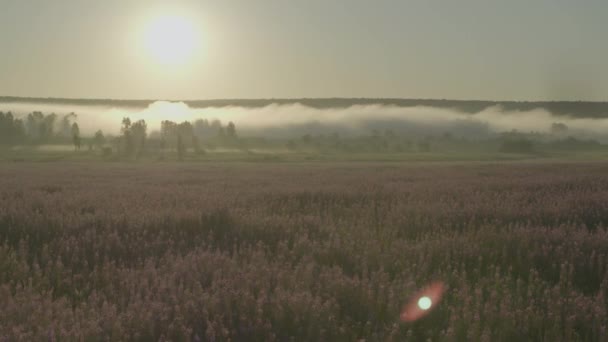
(478, 49)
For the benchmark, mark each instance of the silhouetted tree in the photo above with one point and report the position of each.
(221, 133)
(65, 129)
(196, 145)
(306, 138)
(138, 134)
(203, 129)
(11, 129)
(168, 133)
(76, 136)
(181, 148)
(559, 128)
(49, 125)
(171, 133)
(127, 136)
(40, 127)
(231, 131)
(185, 129)
(215, 125)
(99, 139)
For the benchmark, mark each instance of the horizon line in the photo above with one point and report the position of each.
(30, 98)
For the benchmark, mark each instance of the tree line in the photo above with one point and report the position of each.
(39, 128)
(134, 138)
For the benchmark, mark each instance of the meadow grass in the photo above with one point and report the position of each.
(302, 251)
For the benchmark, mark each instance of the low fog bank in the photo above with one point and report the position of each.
(578, 109)
(294, 120)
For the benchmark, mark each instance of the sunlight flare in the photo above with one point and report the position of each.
(171, 40)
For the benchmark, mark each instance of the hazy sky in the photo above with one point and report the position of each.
(523, 50)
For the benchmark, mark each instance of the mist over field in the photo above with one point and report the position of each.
(288, 120)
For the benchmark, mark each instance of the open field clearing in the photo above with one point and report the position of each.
(303, 251)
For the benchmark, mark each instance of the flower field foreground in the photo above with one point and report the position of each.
(306, 252)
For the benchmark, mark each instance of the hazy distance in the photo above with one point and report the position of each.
(293, 118)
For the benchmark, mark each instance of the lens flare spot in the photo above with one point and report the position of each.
(424, 303)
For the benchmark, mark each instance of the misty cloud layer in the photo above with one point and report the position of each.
(294, 120)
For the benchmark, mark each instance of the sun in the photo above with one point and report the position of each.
(171, 40)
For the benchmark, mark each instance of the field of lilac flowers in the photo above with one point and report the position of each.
(316, 252)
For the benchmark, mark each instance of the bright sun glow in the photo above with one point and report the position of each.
(171, 40)
(424, 303)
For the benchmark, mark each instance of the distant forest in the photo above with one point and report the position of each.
(579, 109)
